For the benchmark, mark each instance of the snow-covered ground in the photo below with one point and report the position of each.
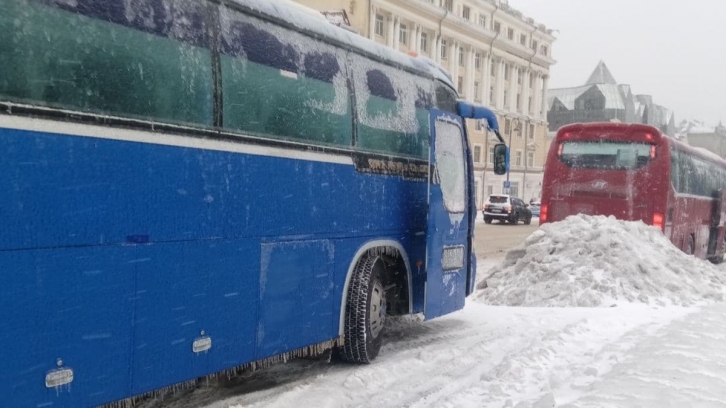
(656, 339)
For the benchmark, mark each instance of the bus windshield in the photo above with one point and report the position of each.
(606, 155)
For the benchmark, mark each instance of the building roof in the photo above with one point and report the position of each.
(614, 97)
(601, 75)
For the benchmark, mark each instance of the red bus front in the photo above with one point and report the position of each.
(607, 169)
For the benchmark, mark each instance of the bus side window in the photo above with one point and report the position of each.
(392, 109)
(282, 84)
(108, 57)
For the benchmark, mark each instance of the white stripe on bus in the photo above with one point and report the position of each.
(141, 136)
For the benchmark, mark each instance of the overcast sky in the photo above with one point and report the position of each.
(672, 50)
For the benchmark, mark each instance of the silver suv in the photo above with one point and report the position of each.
(506, 208)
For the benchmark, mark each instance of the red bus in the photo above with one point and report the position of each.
(634, 172)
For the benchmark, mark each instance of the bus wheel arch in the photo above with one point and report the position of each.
(378, 284)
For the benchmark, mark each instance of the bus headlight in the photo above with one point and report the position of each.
(452, 258)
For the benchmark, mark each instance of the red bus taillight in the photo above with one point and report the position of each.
(559, 149)
(543, 213)
(658, 220)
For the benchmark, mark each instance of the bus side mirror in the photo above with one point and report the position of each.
(501, 159)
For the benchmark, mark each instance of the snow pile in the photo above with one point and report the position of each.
(599, 261)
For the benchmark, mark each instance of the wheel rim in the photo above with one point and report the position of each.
(377, 316)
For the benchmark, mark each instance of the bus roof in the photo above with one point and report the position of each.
(288, 12)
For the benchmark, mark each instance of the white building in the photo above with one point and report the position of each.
(496, 56)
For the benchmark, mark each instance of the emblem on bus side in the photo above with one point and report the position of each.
(58, 377)
(600, 184)
(202, 344)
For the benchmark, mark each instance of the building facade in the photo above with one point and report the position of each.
(496, 57)
(712, 139)
(602, 99)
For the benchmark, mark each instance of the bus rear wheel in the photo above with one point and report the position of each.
(365, 311)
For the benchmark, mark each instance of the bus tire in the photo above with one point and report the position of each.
(365, 311)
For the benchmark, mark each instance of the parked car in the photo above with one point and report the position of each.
(506, 208)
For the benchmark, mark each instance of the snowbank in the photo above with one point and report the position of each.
(599, 261)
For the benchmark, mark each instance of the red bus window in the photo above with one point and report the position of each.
(606, 155)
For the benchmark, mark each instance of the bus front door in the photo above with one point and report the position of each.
(447, 240)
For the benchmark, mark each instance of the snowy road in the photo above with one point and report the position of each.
(643, 352)
(483, 356)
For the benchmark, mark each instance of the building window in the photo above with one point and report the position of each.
(424, 42)
(544, 49)
(403, 34)
(531, 80)
(514, 189)
(444, 51)
(482, 21)
(477, 60)
(529, 104)
(531, 129)
(510, 33)
(505, 98)
(519, 102)
(506, 72)
(530, 159)
(523, 39)
(534, 45)
(379, 25)
(449, 5)
(461, 56)
(477, 154)
(497, 27)
(466, 12)
(460, 85)
(491, 155)
(494, 69)
(519, 78)
(476, 90)
(507, 123)
(490, 188)
(518, 158)
(491, 95)
(477, 125)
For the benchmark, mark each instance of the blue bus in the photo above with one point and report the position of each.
(195, 186)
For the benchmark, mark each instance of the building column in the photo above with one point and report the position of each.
(485, 78)
(512, 93)
(499, 97)
(545, 84)
(469, 79)
(391, 24)
(396, 32)
(372, 24)
(537, 105)
(417, 39)
(525, 93)
(436, 50)
(454, 63)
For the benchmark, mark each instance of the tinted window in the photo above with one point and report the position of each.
(692, 175)
(498, 199)
(605, 155)
(445, 98)
(282, 84)
(392, 109)
(109, 57)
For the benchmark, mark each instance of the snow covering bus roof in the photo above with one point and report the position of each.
(289, 13)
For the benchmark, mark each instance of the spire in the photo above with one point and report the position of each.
(601, 75)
